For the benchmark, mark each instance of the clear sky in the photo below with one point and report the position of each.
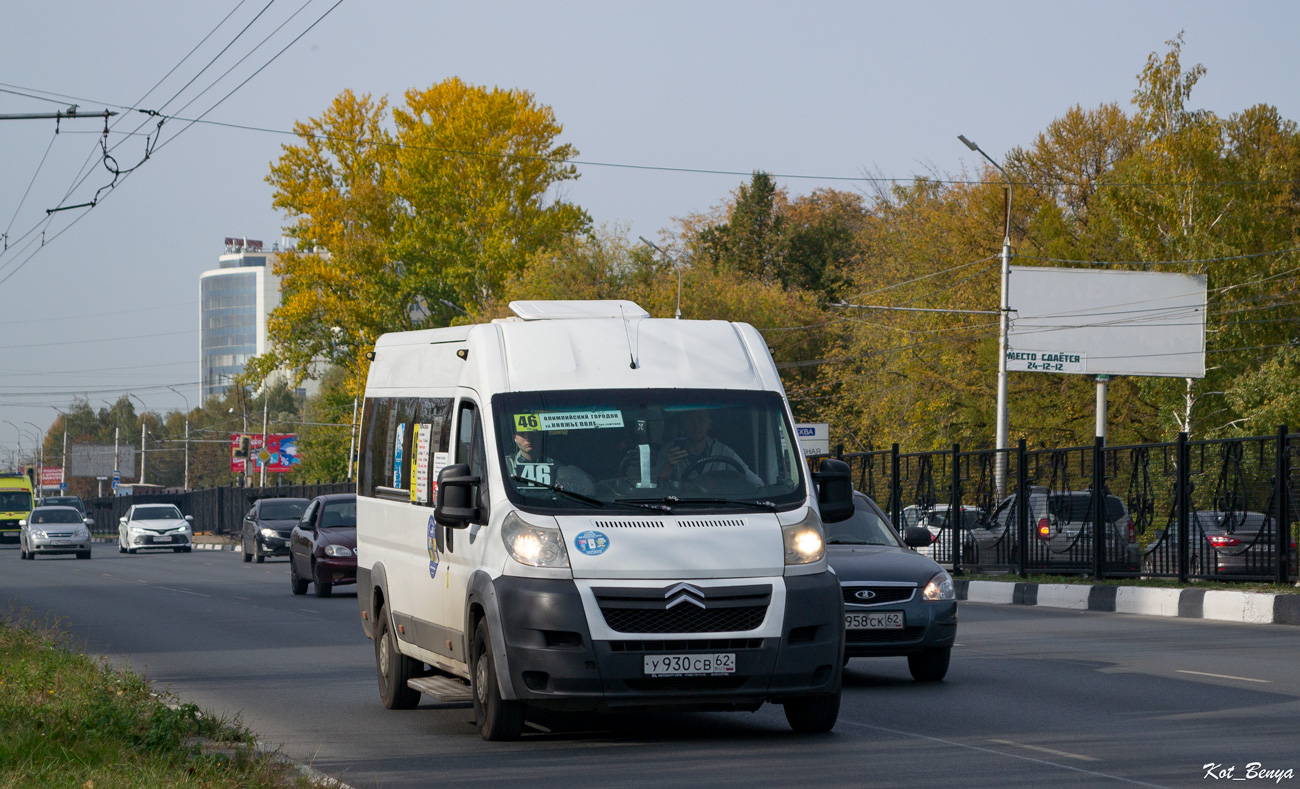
(834, 89)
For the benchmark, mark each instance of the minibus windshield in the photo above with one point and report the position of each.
(682, 450)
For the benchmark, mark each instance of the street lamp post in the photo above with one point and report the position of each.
(142, 432)
(1003, 321)
(40, 473)
(187, 435)
(676, 265)
(19, 430)
(63, 472)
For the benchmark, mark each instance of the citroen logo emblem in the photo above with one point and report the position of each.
(684, 593)
(865, 594)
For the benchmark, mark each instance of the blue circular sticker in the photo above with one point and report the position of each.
(433, 547)
(592, 543)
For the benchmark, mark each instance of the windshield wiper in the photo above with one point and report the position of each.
(561, 490)
(676, 501)
(645, 505)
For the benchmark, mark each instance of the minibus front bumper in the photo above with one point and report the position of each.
(552, 659)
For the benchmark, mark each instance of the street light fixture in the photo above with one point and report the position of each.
(187, 435)
(677, 265)
(1003, 429)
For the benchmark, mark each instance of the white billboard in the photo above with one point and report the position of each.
(91, 460)
(1092, 322)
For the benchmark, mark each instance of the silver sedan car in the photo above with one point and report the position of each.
(54, 530)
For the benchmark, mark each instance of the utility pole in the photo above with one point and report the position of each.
(266, 402)
(1003, 427)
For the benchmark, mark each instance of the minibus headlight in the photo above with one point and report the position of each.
(535, 546)
(803, 540)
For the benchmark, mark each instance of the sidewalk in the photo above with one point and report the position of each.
(1249, 607)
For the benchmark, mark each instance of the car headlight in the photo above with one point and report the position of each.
(535, 546)
(804, 543)
(269, 533)
(337, 550)
(82, 532)
(39, 533)
(940, 587)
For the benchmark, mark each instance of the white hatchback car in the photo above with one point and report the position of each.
(154, 526)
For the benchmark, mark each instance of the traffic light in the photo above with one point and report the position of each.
(245, 444)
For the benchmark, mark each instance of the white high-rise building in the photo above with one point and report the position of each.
(236, 297)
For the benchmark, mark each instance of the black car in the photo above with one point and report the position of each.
(266, 527)
(66, 501)
(896, 601)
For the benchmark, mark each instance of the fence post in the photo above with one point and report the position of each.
(895, 489)
(956, 522)
(1182, 493)
(1022, 508)
(1282, 509)
(1099, 514)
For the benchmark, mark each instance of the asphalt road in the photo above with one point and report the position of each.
(1034, 697)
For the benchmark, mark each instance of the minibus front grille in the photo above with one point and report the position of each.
(684, 619)
(684, 608)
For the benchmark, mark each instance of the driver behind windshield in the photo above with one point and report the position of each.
(687, 455)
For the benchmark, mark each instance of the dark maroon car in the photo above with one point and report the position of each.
(323, 545)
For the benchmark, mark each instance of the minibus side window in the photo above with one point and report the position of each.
(430, 439)
(401, 431)
(374, 445)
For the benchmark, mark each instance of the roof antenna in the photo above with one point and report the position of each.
(631, 355)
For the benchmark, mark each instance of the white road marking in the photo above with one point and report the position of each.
(1052, 751)
(1223, 676)
(998, 753)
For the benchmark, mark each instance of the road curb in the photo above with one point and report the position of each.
(198, 546)
(1220, 605)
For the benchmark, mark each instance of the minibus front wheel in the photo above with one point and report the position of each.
(497, 718)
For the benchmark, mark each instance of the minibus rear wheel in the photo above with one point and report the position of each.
(394, 668)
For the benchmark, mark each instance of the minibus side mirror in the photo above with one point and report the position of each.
(834, 490)
(454, 501)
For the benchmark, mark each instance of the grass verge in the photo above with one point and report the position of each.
(73, 721)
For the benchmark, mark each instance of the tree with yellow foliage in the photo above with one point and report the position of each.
(402, 221)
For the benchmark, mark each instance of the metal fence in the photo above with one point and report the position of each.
(215, 510)
(1184, 509)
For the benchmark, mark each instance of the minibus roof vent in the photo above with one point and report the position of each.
(575, 309)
